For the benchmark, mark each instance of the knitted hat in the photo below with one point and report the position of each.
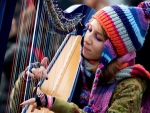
(126, 27)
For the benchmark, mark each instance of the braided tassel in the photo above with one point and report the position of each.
(96, 79)
(91, 108)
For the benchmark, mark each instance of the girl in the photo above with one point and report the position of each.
(110, 80)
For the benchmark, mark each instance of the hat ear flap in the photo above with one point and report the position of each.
(108, 53)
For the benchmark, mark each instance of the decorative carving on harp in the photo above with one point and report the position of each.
(46, 30)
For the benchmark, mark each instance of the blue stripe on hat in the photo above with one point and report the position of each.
(128, 26)
(135, 27)
(137, 19)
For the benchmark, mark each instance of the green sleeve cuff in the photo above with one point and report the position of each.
(61, 106)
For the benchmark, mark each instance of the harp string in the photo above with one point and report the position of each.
(18, 58)
(32, 54)
(26, 37)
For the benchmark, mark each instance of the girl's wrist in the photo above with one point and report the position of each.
(50, 101)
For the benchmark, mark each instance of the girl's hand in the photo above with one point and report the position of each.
(40, 100)
(37, 70)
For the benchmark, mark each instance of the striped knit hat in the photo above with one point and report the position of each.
(126, 27)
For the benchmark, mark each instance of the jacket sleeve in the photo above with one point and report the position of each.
(127, 96)
(61, 106)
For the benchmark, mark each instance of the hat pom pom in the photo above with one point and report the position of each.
(146, 8)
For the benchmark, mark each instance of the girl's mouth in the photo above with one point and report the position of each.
(86, 49)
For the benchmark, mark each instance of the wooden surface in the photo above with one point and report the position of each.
(63, 73)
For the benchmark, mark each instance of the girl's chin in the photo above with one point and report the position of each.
(86, 56)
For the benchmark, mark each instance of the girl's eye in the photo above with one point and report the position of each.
(98, 38)
(88, 27)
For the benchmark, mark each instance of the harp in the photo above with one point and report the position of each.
(46, 30)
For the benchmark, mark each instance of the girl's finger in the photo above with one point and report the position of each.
(30, 74)
(40, 73)
(30, 101)
(39, 108)
(45, 62)
(44, 73)
(36, 72)
(38, 90)
(34, 105)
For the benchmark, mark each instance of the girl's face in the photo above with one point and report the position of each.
(93, 41)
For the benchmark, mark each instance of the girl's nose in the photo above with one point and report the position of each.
(88, 39)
